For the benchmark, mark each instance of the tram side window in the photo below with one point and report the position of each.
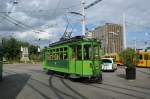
(61, 55)
(53, 54)
(48, 54)
(79, 52)
(56, 54)
(145, 57)
(65, 53)
(141, 57)
(65, 49)
(65, 56)
(96, 54)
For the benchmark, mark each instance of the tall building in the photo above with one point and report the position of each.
(111, 36)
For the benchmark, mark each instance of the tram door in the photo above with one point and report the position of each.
(77, 54)
(79, 62)
(147, 60)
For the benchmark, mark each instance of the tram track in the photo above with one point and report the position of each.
(121, 90)
(55, 86)
(126, 88)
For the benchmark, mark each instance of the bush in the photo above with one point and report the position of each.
(129, 57)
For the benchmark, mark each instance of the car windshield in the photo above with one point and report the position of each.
(106, 61)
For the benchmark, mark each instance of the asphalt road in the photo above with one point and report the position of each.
(22, 81)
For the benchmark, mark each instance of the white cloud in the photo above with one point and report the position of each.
(48, 16)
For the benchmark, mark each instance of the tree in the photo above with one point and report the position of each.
(130, 58)
(12, 49)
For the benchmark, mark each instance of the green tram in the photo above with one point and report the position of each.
(77, 57)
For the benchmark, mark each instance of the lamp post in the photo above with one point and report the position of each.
(146, 42)
(135, 39)
(83, 13)
(83, 19)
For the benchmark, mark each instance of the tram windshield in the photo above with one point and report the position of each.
(88, 52)
(91, 52)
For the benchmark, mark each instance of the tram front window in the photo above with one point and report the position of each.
(87, 52)
(96, 52)
(77, 52)
(90, 52)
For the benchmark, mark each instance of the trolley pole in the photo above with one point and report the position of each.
(83, 19)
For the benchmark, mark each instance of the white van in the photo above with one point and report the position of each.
(108, 64)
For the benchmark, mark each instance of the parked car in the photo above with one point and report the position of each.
(108, 64)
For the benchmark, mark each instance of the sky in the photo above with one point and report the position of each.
(44, 21)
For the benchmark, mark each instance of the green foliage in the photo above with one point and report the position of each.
(12, 51)
(148, 48)
(129, 57)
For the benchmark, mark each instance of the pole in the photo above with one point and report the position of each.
(135, 43)
(146, 41)
(106, 44)
(124, 32)
(114, 43)
(83, 20)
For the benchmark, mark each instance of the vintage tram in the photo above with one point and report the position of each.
(77, 57)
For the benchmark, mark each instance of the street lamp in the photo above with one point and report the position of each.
(135, 40)
(114, 34)
(146, 42)
(76, 13)
(83, 13)
(15, 2)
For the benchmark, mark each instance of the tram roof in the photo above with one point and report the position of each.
(73, 39)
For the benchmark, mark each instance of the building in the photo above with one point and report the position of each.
(88, 34)
(111, 36)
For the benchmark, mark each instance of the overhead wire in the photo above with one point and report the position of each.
(46, 10)
(54, 13)
(23, 25)
(139, 25)
(46, 26)
(92, 4)
(7, 13)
